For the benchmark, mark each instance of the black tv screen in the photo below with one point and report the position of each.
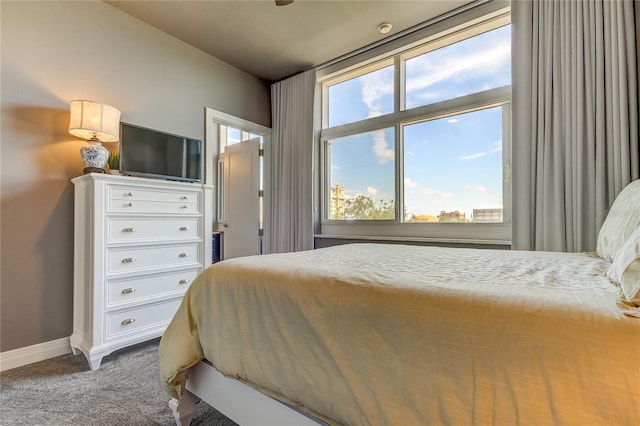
(151, 153)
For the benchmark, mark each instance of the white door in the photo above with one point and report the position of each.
(239, 168)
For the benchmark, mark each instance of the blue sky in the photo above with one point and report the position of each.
(452, 163)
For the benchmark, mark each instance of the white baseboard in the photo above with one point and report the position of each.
(30, 354)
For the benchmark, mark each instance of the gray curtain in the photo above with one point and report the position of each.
(575, 118)
(292, 159)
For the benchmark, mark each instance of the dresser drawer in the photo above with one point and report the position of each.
(126, 229)
(145, 206)
(138, 289)
(135, 319)
(138, 259)
(136, 199)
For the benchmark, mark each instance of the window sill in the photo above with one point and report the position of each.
(503, 244)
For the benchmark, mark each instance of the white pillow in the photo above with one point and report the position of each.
(625, 268)
(623, 218)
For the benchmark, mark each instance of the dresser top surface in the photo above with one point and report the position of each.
(133, 180)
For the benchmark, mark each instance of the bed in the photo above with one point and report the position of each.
(376, 334)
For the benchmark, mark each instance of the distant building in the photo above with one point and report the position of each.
(423, 218)
(336, 203)
(454, 216)
(487, 215)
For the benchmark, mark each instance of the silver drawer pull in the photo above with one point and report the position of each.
(184, 228)
(128, 290)
(184, 281)
(184, 197)
(183, 255)
(128, 194)
(128, 321)
(130, 205)
(128, 229)
(185, 206)
(128, 260)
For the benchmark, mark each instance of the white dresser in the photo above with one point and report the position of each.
(138, 245)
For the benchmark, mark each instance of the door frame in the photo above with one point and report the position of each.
(214, 118)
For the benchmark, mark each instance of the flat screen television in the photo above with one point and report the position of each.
(155, 154)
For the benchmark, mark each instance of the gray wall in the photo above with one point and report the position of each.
(53, 52)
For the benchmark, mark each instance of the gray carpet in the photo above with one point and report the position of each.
(125, 390)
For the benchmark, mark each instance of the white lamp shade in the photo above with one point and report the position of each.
(93, 121)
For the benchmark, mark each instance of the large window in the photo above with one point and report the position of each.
(472, 65)
(417, 144)
(365, 164)
(453, 166)
(362, 96)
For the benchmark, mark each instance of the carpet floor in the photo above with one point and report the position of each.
(125, 390)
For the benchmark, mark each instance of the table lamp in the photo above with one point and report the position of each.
(96, 123)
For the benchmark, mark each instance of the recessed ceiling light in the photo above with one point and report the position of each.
(385, 28)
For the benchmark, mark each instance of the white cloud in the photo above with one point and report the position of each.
(423, 98)
(497, 147)
(371, 190)
(447, 195)
(479, 188)
(472, 156)
(429, 191)
(374, 87)
(351, 193)
(479, 63)
(452, 120)
(334, 167)
(380, 147)
(408, 183)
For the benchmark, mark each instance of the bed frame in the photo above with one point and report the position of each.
(236, 400)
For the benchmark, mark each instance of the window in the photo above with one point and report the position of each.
(365, 96)
(417, 144)
(472, 65)
(231, 135)
(453, 166)
(368, 173)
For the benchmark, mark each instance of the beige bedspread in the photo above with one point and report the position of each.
(369, 334)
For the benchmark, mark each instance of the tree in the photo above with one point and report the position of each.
(363, 207)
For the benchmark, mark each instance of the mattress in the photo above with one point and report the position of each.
(378, 334)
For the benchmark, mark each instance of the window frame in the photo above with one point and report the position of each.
(397, 229)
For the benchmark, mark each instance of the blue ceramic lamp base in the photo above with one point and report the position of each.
(95, 157)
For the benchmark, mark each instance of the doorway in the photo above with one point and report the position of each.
(238, 170)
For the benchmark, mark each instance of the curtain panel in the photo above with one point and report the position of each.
(575, 118)
(291, 210)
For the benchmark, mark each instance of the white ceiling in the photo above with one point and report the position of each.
(273, 42)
